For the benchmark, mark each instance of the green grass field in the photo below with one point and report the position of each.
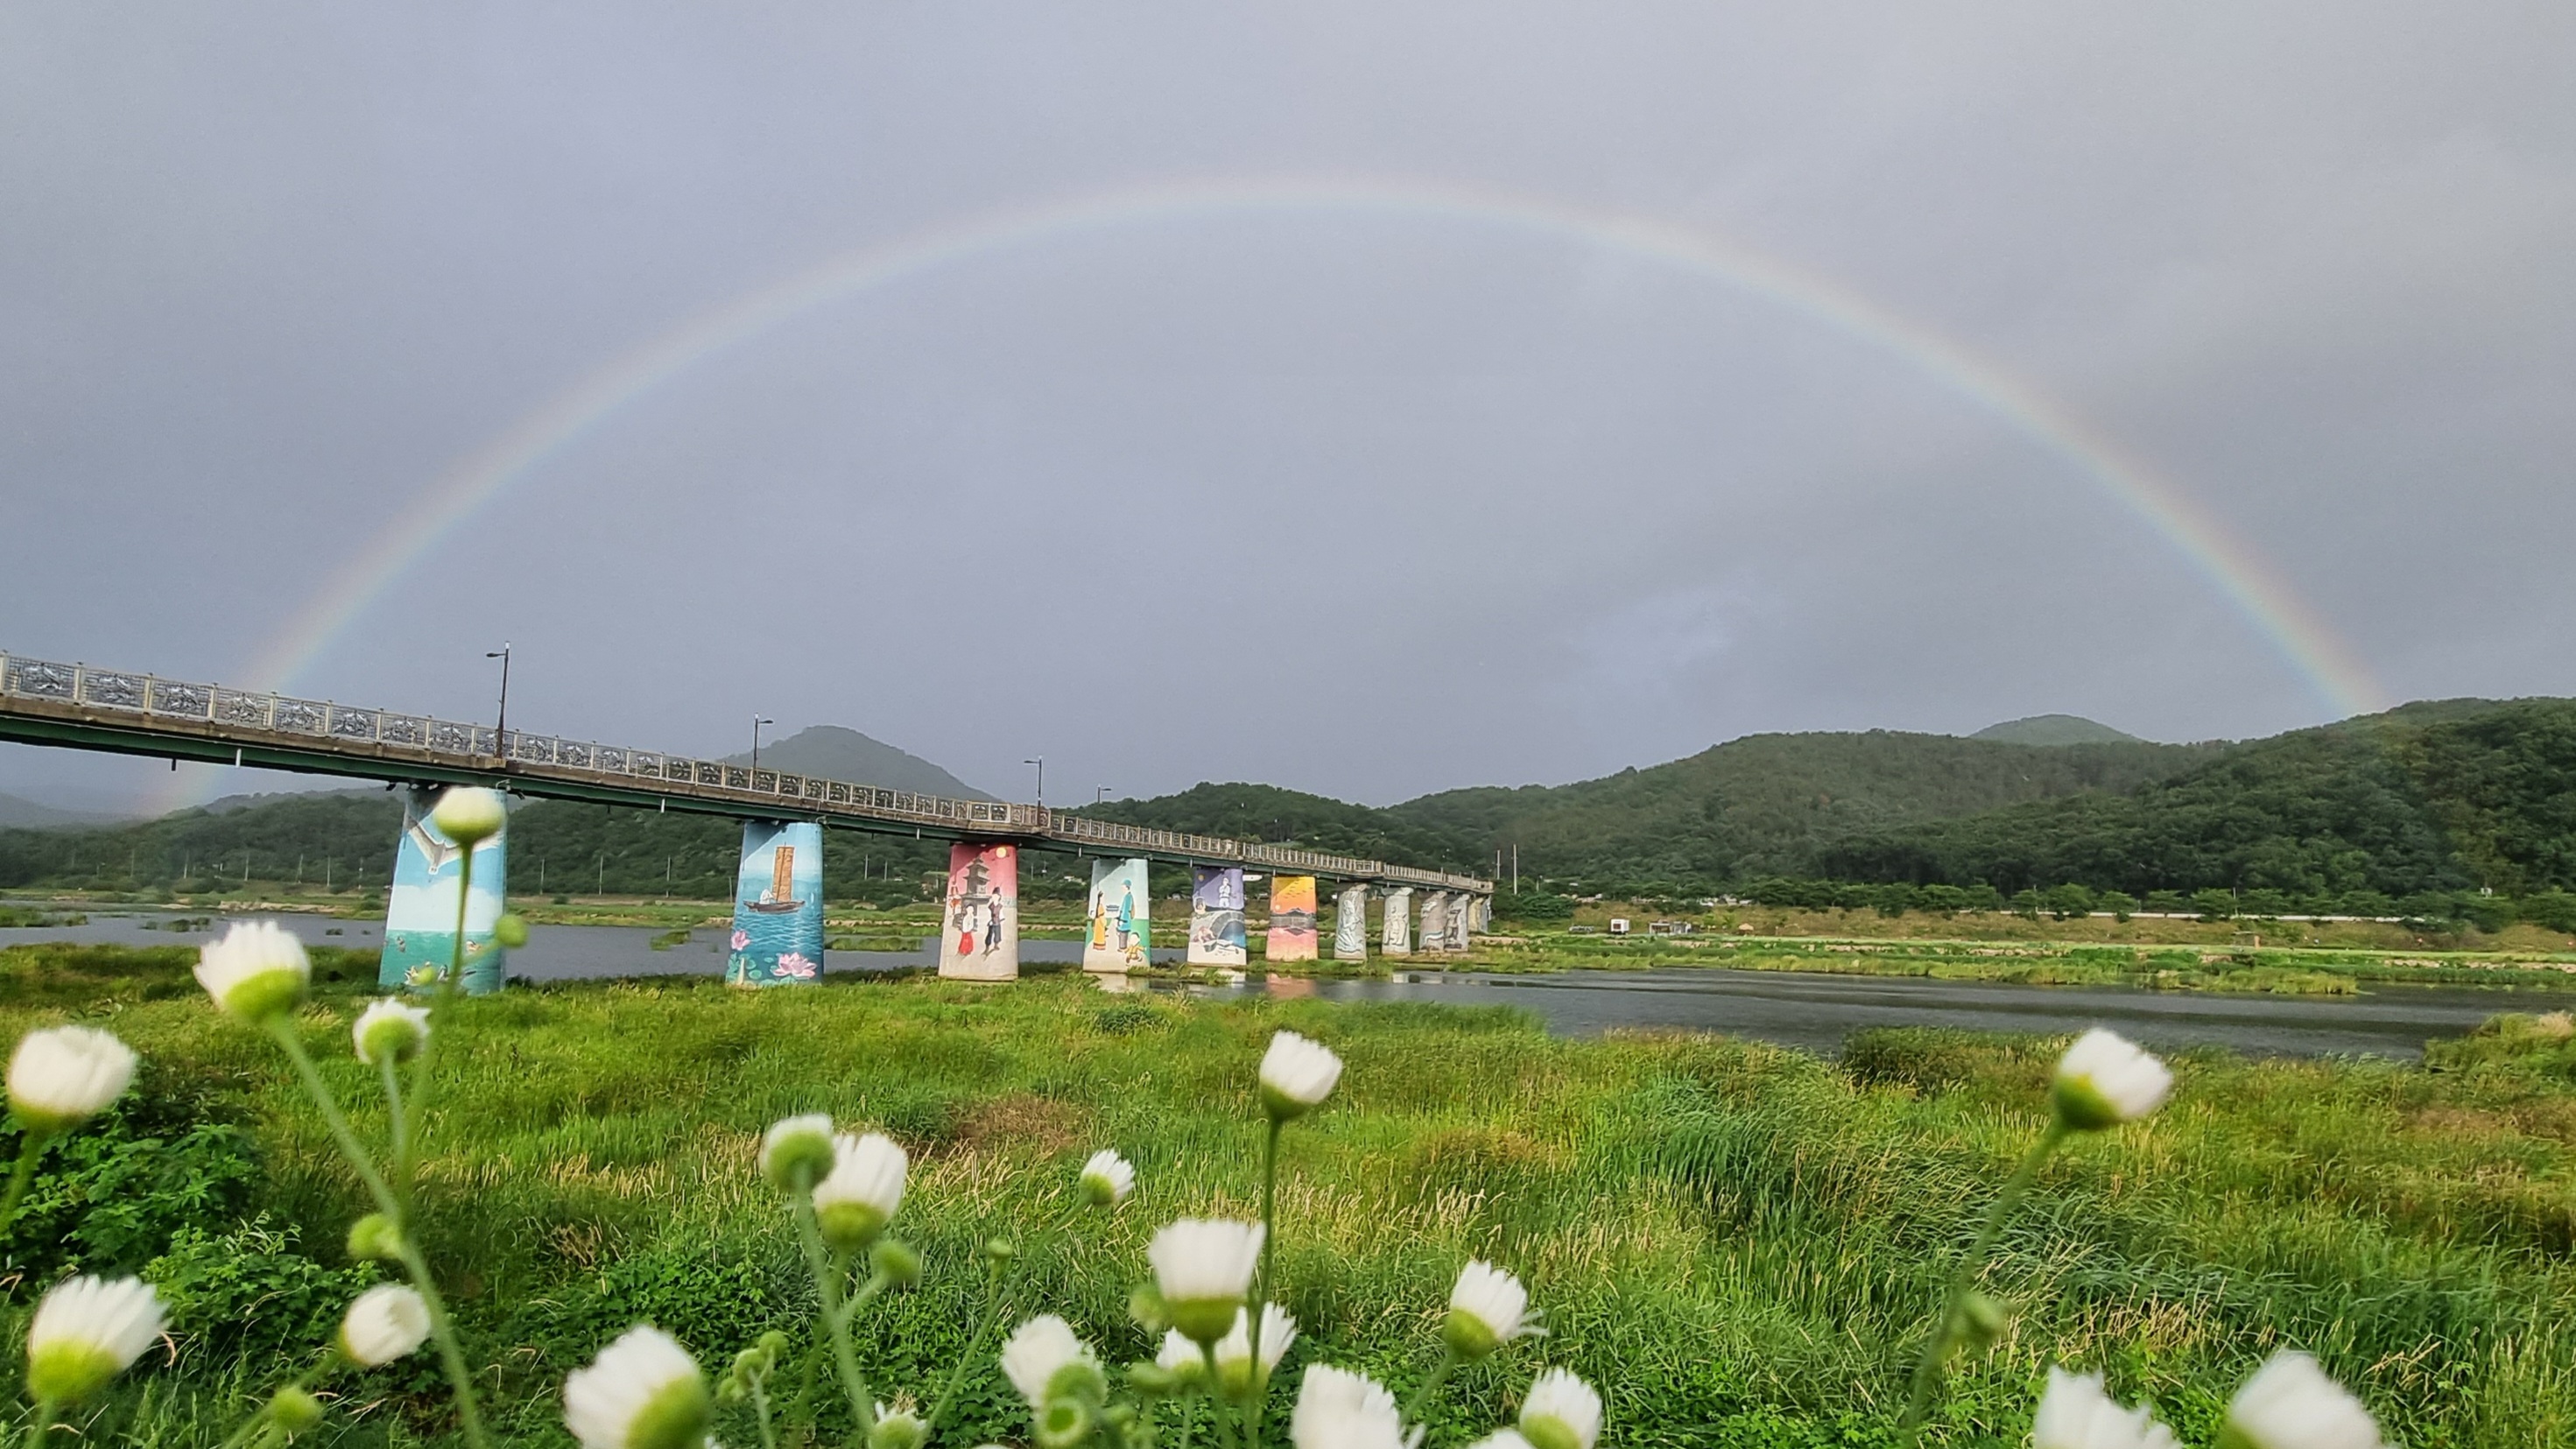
(1739, 1244)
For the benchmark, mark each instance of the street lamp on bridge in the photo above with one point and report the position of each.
(501, 726)
(1040, 762)
(756, 722)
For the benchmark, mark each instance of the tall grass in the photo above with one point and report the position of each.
(1740, 1244)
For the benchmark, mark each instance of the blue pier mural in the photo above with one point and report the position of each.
(420, 912)
(1216, 916)
(778, 906)
(1120, 937)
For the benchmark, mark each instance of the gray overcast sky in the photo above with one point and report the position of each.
(1356, 500)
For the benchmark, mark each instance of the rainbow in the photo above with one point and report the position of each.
(2231, 566)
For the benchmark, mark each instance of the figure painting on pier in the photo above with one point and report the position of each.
(420, 913)
(1435, 922)
(1350, 924)
(980, 940)
(1292, 919)
(1120, 939)
(1462, 921)
(1216, 916)
(1395, 933)
(778, 906)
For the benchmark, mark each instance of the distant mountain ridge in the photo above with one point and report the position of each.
(836, 753)
(2054, 729)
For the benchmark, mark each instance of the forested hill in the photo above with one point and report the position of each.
(2448, 795)
(1761, 805)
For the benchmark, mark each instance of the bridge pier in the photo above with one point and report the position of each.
(980, 936)
(1395, 929)
(420, 910)
(1216, 916)
(1292, 919)
(1462, 921)
(778, 906)
(1435, 923)
(1120, 939)
(1350, 924)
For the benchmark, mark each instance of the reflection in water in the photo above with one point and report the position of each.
(1815, 1011)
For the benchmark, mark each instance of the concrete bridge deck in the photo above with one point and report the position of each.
(84, 707)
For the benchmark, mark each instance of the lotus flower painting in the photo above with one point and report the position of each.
(778, 906)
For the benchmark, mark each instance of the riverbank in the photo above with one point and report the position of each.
(1738, 1242)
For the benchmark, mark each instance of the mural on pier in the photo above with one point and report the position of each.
(979, 938)
(1462, 921)
(420, 913)
(778, 906)
(1292, 919)
(1435, 921)
(1350, 924)
(1216, 916)
(1395, 934)
(1120, 939)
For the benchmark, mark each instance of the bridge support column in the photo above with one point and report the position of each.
(1216, 916)
(980, 940)
(778, 906)
(1350, 924)
(1292, 919)
(1435, 922)
(1120, 939)
(1395, 929)
(1462, 921)
(420, 910)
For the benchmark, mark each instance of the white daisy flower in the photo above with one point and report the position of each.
(1487, 1309)
(797, 1152)
(62, 1076)
(2075, 1413)
(1296, 1075)
(86, 1332)
(1337, 1409)
(1234, 1351)
(642, 1392)
(1107, 1179)
(859, 1196)
(384, 1323)
(1561, 1411)
(1045, 1361)
(467, 813)
(2291, 1404)
(390, 1030)
(256, 971)
(2105, 1080)
(1203, 1268)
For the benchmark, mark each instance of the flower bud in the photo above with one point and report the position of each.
(1000, 1249)
(897, 1429)
(797, 1152)
(374, 1237)
(1064, 1424)
(511, 930)
(468, 813)
(294, 1410)
(897, 1262)
(1982, 1320)
(1145, 1305)
(389, 1030)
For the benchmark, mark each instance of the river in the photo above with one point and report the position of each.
(1802, 1009)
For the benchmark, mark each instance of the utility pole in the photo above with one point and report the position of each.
(1516, 867)
(501, 726)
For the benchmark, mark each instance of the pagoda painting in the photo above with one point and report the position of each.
(979, 938)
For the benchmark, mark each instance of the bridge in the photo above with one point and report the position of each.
(778, 932)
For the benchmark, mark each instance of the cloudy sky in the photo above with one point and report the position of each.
(1370, 398)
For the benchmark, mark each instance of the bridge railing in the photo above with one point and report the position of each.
(335, 725)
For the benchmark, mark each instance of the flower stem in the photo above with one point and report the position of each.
(1189, 1417)
(401, 1129)
(1254, 1400)
(448, 987)
(1431, 1385)
(451, 1357)
(760, 1407)
(1953, 1320)
(974, 1346)
(31, 1148)
(1216, 1402)
(43, 1424)
(836, 1320)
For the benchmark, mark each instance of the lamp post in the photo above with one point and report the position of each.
(1099, 793)
(501, 726)
(1040, 762)
(756, 722)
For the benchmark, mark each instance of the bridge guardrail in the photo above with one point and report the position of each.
(332, 724)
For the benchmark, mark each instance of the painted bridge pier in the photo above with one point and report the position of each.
(778, 927)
